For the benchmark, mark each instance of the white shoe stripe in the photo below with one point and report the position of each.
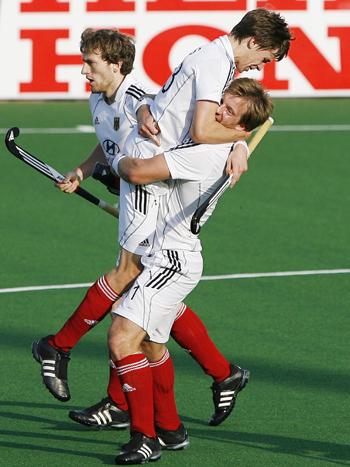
(225, 404)
(50, 362)
(223, 399)
(107, 414)
(226, 393)
(97, 419)
(52, 375)
(141, 452)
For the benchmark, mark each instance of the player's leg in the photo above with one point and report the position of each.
(191, 334)
(133, 368)
(53, 352)
(171, 433)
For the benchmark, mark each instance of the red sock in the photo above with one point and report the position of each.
(190, 333)
(96, 304)
(136, 379)
(115, 391)
(165, 412)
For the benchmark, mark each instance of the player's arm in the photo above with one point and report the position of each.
(143, 171)
(84, 170)
(205, 129)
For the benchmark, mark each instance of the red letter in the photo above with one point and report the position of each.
(45, 60)
(204, 5)
(282, 4)
(44, 5)
(270, 81)
(110, 5)
(156, 54)
(337, 5)
(316, 69)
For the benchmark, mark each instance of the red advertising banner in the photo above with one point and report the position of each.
(42, 39)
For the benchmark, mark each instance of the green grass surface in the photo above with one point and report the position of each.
(289, 213)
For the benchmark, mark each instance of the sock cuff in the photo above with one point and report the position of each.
(131, 363)
(181, 311)
(161, 361)
(106, 289)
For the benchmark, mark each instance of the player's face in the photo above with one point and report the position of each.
(230, 112)
(100, 74)
(253, 58)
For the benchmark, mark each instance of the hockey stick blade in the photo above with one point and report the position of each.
(49, 171)
(255, 140)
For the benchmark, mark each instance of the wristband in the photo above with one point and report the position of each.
(243, 143)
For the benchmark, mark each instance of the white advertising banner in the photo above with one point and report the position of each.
(40, 42)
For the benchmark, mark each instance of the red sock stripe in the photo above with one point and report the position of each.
(122, 370)
(165, 357)
(180, 311)
(106, 289)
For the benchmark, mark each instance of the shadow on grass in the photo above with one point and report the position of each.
(334, 453)
(309, 449)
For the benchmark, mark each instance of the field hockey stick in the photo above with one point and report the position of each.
(50, 172)
(255, 140)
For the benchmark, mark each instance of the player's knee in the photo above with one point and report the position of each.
(118, 345)
(154, 352)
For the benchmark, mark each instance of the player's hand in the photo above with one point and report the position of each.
(147, 126)
(70, 183)
(237, 163)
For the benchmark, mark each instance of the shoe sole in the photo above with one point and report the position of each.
(37, 358)
(174, 447)
(119, 426)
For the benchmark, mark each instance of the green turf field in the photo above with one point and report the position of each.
(288, 213)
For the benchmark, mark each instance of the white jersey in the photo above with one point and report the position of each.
(114, 122)
(203, 75)
(196, 171)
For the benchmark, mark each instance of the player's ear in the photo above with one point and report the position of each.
(117, 66)
(240, 127)
(251, 44)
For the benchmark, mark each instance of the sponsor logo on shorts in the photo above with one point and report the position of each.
(144, 243)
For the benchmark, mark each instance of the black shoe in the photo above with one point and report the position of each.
(139, 450)
(225, 394)
(172, 440)
(54, 365)
(102, 415)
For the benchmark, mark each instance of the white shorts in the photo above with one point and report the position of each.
(138, 212)
(157, 294)
(138, 206)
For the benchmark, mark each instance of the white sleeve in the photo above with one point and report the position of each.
(188, 163)
(210, 80)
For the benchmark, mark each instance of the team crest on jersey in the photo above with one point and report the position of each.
(116, 123)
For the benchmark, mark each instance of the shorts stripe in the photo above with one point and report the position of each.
(141, 199)
(163, 277)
